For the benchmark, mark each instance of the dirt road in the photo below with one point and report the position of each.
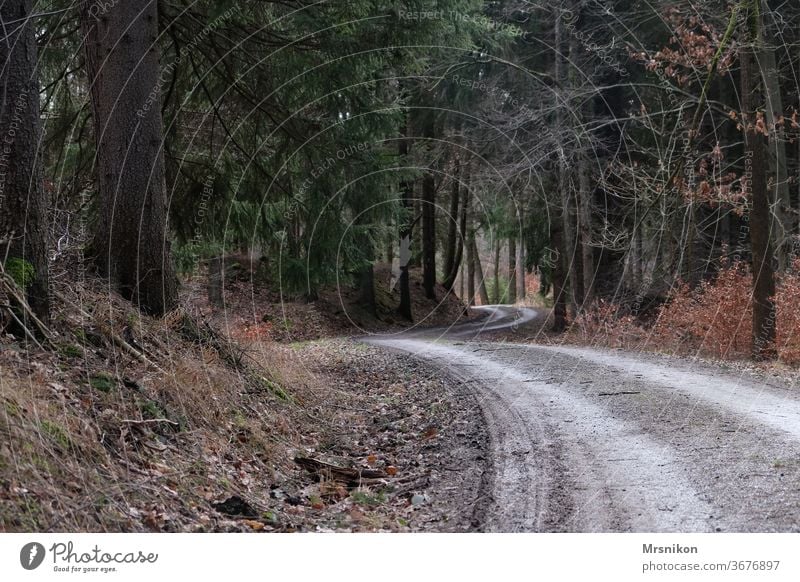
(599, 440)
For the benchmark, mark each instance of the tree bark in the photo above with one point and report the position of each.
(585, 221)
(567, 231)
(782, 223)
(484, 295)
(23, 199)
(406, 231)
(458, 252)
(132, 241)
(366, 288)
(559, 277)
(470, 243)
(452, 225)
(429, 217)
(520, 266)
(497, 295)
(512, 270)
(755, 154)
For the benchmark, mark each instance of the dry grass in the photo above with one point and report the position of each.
(95, 440)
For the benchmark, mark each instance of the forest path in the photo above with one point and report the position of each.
(598, 440)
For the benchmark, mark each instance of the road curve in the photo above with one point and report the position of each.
(598, 440)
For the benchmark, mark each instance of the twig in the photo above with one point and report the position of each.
(150, 420)
(110, 334)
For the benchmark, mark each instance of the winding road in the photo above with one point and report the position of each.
(587, 439)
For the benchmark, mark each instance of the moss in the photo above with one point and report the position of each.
(276, 389)
(102, 382)
(56, 433)
(151, 409)
(21, 271)
(70, 351)
(363, 498)
(12, 408)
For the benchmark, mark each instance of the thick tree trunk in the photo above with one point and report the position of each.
(132, 239)
(755, 156)
(512, 270)
(23, 200)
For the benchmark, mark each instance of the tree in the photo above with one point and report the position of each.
(406, 231)
(429, 211)
(459, 236)
(755, 152)
(23, 199)
(132, 243)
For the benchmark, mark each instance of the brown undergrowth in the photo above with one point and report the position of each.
(714, 319)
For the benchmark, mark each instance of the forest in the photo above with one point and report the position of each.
(613, 150)
(201, 192)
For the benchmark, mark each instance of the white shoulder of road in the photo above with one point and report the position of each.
(738, 395)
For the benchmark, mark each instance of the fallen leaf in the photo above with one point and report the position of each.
(254, 525)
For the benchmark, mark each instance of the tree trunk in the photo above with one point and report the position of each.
(452, 225)
(585, 221)
(366, 289)
(416, 237)
(779, 196)
(471, 266)
(559, 277)
(429, 214)
(520, 267)
(462, 282)
(512, 270)
(406, 232)
(23, 199)
(497, 296)
(484, 295)
(132, 239)
(461, 235)
(566, 230)
(571, 195)
(755, 156)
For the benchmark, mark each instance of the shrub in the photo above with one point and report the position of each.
(713, 318)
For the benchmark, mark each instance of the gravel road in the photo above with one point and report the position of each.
(600, 440)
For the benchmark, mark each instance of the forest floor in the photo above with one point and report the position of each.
(211, 421)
